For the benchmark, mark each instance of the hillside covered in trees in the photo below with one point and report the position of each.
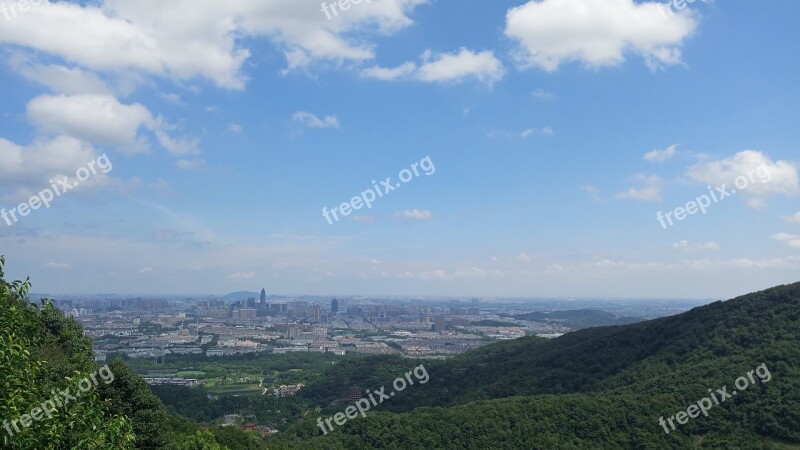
(46, 402)
(599, 388)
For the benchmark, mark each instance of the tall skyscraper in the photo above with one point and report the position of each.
(439, 325)
(263, 296)
(334, 306)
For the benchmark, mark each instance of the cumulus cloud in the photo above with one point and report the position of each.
(59, 78)
(99, 119)
(661, 155)
(27, 170)
(650, 192)
(750, 173)
(597, 33)
(206, 42)
(42, 158)
(445, 67)
(103, 120)
(414, 214)
(310, 120)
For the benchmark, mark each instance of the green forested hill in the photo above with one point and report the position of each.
(600, 388)
(44, 357)
(605, 387)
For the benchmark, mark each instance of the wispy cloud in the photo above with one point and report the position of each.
(661, 155)
(650, 192)
(310, 120)
(685, 246)
(414, 214)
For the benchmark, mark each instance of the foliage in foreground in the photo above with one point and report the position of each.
(41, 351)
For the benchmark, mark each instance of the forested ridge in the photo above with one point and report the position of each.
(600, 388)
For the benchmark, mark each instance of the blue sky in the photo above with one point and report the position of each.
(557, 129)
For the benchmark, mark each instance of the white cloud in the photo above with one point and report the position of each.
(523, 258)
(403, 71)
(310, 120)
(58, 78)
(597, 33)
(792, 240)
(190, 164)
(146, 270)
(685, 246)
(27, 170)
(651, 192)
(594, 192)
(103, 120)
(449, 67)
(414, 214)
(757, 176)
(235, 128)
(542, 94)
(544, 131)
(661, 155)
(445, 67)
(99, 119)
(206, 41)
(178, 146)
(795, 218)
(173, 99)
